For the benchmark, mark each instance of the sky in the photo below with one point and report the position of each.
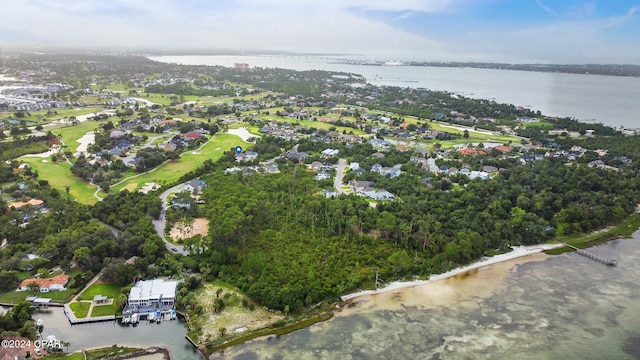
(518, 31)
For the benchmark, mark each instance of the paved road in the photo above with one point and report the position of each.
(160, 223)
(337, 182)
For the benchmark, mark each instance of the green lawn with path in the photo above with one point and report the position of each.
(109, 290)
(190, 160)
(80, 309)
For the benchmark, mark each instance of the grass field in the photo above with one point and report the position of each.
(309, 123)
(59, 176)
(191, 160)
(80, 309)
(14, 297)
(70, 134)
(108, 290)
(104, 310)
(36, 116)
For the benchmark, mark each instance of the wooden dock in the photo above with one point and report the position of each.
(610, 261)
(89, 319)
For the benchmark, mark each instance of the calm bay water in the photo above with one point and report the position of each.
(610, 100)
(541, 307)
(168, 334)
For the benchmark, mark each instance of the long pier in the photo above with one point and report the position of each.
(610, 261)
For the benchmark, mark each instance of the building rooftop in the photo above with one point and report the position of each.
(46, 283)
(156, 288)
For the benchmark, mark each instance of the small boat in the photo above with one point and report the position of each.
(126, 319)
(39, 322)
(134, 318)
(151, 316)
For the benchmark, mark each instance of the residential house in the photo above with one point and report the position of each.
(360, 186)
(117, 133)
(156, 292)
(330, 194)
(330, 152)
(271, 168)
(195, 186)
(58, 282)
(489, 169)
(315, 166)
(192, 135)
(297, 156)
(379, 195)
(246, 156)
(479, 175)
(323, 175)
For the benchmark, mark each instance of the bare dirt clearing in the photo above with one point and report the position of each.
(182, 230)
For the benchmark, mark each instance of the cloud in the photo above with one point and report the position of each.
(388, 29)
(545, 8)
(620, 20)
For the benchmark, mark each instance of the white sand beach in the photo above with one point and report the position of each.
(517, 252)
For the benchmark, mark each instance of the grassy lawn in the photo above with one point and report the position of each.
(14, 297)
(61, 113)
(108, 290)
(104, 310)
(172, 171)
(309, 123)
(59, 176)
(80, 309)
(70, 134)
(544, 124)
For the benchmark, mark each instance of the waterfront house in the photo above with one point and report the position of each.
(156, 292)
(57, 282)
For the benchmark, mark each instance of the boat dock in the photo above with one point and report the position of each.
(610, 261)
(89, 319)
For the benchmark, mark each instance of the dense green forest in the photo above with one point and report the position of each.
(277, 238)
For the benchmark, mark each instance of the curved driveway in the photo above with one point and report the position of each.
(160, 223)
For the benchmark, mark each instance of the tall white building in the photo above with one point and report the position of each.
(156, 292)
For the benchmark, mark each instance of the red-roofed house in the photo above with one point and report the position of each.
(504, 149)
(192, 135)
(471, 152)
(57, 282)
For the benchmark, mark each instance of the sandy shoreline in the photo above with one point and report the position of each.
(518, 251)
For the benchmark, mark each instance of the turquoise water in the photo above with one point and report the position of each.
(558, 307)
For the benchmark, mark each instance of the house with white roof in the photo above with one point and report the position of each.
(156, 292)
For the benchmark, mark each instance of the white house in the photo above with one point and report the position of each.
(156, 292)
